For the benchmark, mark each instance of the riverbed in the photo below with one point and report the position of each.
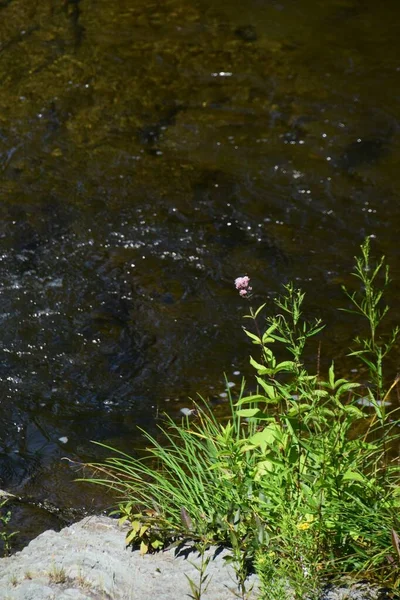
(151, 152)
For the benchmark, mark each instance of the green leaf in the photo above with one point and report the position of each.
(131, 536)
(279, 338)
(267, 340)
(320, 393)
(268, 389)
(252, 336)
(256, 398)
(268, 436)
(248, 412)
(353, 411)
(353, 476)
(271, 328)
(316, 330)
(327, 412)
(267, 337)
(346, 381)
(268, 371)
(346, 387)
(286, 365)
(259, 309)
(264, 467)
(269, 355)
(261, 369)
(357, 352)
(136, 525)
(299, 409)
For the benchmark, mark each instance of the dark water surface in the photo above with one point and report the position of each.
(150, 152)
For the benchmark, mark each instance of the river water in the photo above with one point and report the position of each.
(151, 152)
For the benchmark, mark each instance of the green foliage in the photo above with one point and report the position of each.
(5, 535)
(302, 482)
(194, 481)
(368, 303)
(197, 589)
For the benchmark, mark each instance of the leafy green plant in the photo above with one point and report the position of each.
(323, 462)
(367, 303)
(197, 466)
(5, 535)
(302, 481)
(194, 483)
(197, 589)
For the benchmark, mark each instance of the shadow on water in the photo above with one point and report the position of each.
(149, 154)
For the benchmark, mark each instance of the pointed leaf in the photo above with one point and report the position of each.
(299, 409)
(144, 548)
(252, 336)
(353, 411)
(268, 435)
(248, 412)
(130, 537)
(353, 476)
(261, 369)
(256, 398)
(268, 389)
(286, 365)
(259, 309)
(143, 530)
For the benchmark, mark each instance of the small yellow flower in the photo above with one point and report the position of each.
(304, 526)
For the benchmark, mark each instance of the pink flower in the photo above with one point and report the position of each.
(242, 283)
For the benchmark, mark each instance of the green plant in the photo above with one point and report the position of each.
(367, 303)
(197, 470)
(323, 463)
(301, 482)
(5, 518)
(196, 466)
(200, 588)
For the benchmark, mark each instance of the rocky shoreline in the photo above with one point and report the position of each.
(89, 561)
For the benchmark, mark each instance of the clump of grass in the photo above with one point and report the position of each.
(182, 480)
(302, 482)
(57, 574)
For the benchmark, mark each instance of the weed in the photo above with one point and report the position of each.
(198, 588)
(5, 536)
(302, 482)
(82, 581)
(57, 574)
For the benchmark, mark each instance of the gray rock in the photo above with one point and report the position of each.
(351, 591)
(89, 561)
